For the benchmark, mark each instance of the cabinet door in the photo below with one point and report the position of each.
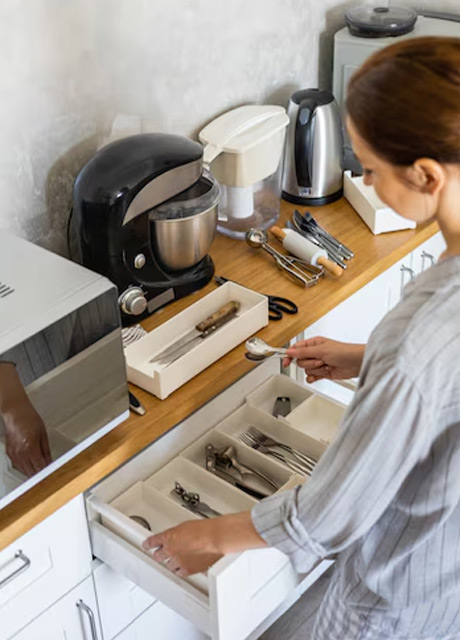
(355, 318)
(42, 565)
(160, 622)
(120, 600)
(74, 617)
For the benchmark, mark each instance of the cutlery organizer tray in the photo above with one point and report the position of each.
(162, 379)
(239, 592)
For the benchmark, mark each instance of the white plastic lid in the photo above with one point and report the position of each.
(242, 128)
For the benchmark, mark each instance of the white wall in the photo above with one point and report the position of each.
(68, 67)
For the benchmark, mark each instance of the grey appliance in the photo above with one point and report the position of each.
(313, 155)
(60, 340)
(351, 50)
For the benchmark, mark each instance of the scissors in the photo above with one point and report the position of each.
(276, 305)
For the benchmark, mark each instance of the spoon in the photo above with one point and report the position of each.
(258, 347)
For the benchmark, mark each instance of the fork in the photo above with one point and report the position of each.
(295, 466)
(262, 438)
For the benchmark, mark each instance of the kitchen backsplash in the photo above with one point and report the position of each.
(70, 67)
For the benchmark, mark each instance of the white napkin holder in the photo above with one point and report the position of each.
(378, 217)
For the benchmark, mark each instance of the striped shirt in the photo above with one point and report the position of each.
(385, 497)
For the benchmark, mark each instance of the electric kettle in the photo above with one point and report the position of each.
(313, 155)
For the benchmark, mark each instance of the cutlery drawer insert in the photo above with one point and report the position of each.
(206, 455)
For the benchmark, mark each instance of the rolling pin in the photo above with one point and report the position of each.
(306, 250)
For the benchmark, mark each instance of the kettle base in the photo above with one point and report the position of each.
(312, 202)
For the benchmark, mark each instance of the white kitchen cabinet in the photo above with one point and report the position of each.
(120, 600)
(42, 565)
(73, 617)
(242, 593)
(161, 623)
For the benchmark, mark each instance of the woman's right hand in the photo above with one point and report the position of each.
(325, 358)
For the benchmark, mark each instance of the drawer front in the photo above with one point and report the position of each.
(165, 623)
(74, 617)
(239, 592)
(120, 601)
(42, 565)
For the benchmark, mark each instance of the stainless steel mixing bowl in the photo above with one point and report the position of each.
(184, 227)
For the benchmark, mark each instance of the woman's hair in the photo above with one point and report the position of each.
(405, 101)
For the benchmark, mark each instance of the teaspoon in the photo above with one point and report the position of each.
(258, 347)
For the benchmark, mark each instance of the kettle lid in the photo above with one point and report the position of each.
(380, 22)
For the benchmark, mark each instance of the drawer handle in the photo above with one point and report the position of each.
(26, 564)
(429, 257)
(89, 612)
(404, 270)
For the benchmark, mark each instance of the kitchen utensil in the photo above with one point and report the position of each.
(258, 347)
(243, 149)
(302, 272)
(228, 457)
(144, 215)
(192, 502)
(294, 459)
(276, 305)
(305, 249)
(142, 521)
(132, 333)
(201, 331)
(288, 462)
(270, 442)
(212, 467)
(380, 22)
(282, 406)
(309, 222)
(331, 252)
(312, 161)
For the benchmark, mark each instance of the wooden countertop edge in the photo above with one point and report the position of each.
(114, 449)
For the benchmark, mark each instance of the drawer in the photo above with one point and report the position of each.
(240, 591)
(73, 617)
(42, 565)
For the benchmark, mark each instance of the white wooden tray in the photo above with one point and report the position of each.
(161, 379)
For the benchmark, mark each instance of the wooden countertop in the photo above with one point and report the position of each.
(252, 268)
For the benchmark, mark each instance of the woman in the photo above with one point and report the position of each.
(384, 499)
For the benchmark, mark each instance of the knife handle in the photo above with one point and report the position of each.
(228, 309)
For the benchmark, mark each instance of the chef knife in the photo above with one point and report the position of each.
(202, 330)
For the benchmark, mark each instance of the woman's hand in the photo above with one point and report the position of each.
(325, 358)
(26, 439)
(25, 434)
(194, 546)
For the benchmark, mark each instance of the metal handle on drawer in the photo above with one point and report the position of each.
(404, 270)
(429, 257)
(89, 612)
(19, 570)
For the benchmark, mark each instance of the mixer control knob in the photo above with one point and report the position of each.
(132, 301)
(139, 261)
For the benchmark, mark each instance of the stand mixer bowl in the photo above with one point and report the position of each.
(184, 227)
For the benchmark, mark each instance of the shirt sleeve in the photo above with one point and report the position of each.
(384, 433)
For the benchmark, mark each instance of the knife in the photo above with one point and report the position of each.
(202, 330)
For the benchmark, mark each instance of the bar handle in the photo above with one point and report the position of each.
(404, 270)
(25, 565)
(92, 622)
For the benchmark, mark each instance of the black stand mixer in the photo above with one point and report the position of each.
(144, 215)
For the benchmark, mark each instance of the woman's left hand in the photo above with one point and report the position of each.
(194, 546)
(186, 549)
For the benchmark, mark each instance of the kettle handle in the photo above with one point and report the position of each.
(303, 137)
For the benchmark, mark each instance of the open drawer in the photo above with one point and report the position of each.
(241, 593)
